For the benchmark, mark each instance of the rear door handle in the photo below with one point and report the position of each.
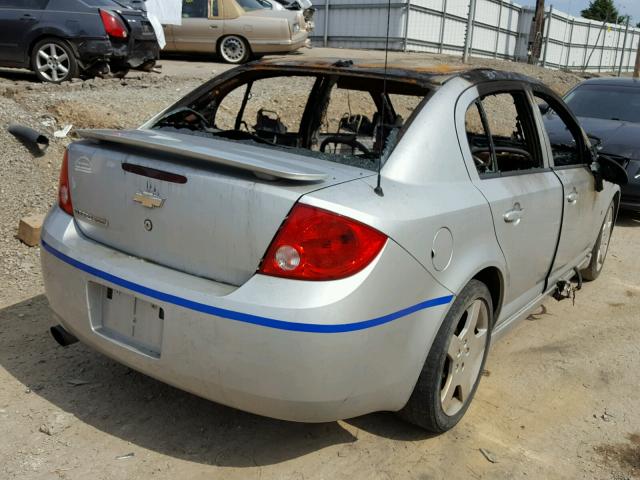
(26, 17)
(213, 26)
(572, 198)
(515, 215)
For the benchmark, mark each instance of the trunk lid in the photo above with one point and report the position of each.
(139, 25)
(190, 203)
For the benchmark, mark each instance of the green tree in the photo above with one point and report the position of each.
(602, 10)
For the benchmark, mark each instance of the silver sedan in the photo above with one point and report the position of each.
(316, 241)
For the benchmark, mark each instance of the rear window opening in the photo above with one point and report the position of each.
(340, 118)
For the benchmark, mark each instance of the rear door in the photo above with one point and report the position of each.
(524, 195)
(567, 152)
(202, 26)
(17, 18)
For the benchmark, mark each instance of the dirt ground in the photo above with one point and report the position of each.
(559, 397)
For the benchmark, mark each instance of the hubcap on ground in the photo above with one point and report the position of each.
(464, 357)
(604, 239)
(52, 62)
(233, 49)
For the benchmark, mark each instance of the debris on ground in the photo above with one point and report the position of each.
(488, 455)
(56, 424)
(62, 133)
(126, 456)
(29, 229)
(76, 382)
(36, 142)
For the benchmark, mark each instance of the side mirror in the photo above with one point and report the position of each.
(606, 168)
(596, 142)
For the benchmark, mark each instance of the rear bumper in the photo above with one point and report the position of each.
(299, 40)
(302, 351)
(134, 53)
(120, 54)
(90, 52)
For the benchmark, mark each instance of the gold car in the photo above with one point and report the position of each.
(237, 29)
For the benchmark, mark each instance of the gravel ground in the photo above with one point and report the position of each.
(559, 399)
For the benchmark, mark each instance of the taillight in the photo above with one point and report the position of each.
(64, 192)
(314, 244)
(114, 26)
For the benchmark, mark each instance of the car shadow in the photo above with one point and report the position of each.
(190, 57)
(150, 414)
(628, 218)
(18, 75)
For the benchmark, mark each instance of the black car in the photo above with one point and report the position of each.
(609, 111)
(62, 39)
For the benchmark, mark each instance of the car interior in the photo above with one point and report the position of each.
(348, 119)
(501, 134)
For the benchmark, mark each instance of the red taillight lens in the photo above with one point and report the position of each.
(315, 244)
(64, 192)
(114, 26)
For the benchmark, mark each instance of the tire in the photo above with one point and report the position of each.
(233, 49)
(438, 401)
(53, 61)
(600, 249)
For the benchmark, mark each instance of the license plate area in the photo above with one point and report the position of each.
(127, 319)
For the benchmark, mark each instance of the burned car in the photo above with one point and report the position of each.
(63, 39)
(237, 30)
(350, 244)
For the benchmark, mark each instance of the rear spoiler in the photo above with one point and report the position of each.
(267, 164)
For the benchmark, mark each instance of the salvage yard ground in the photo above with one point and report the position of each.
(559, 397)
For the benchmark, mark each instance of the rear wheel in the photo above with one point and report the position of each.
(53, 61)
(600, 249)
(234, 49)
(451, 372)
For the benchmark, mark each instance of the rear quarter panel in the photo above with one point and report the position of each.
(67, 19)
(427, 189)
(258, 28)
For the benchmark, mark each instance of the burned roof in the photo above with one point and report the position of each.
(399, 70)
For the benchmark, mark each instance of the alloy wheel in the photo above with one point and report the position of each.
(464, 357)
(53, 62)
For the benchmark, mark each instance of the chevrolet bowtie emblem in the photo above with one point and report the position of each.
(148, 200)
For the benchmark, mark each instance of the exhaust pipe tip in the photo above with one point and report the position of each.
(63, 337)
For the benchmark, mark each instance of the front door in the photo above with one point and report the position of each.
(202, 26)
(17, 17)
(524, 195)
(570, 159)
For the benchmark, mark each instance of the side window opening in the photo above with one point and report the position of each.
(479, 139)
(195, 9)
(502, 136)
(566, 144)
